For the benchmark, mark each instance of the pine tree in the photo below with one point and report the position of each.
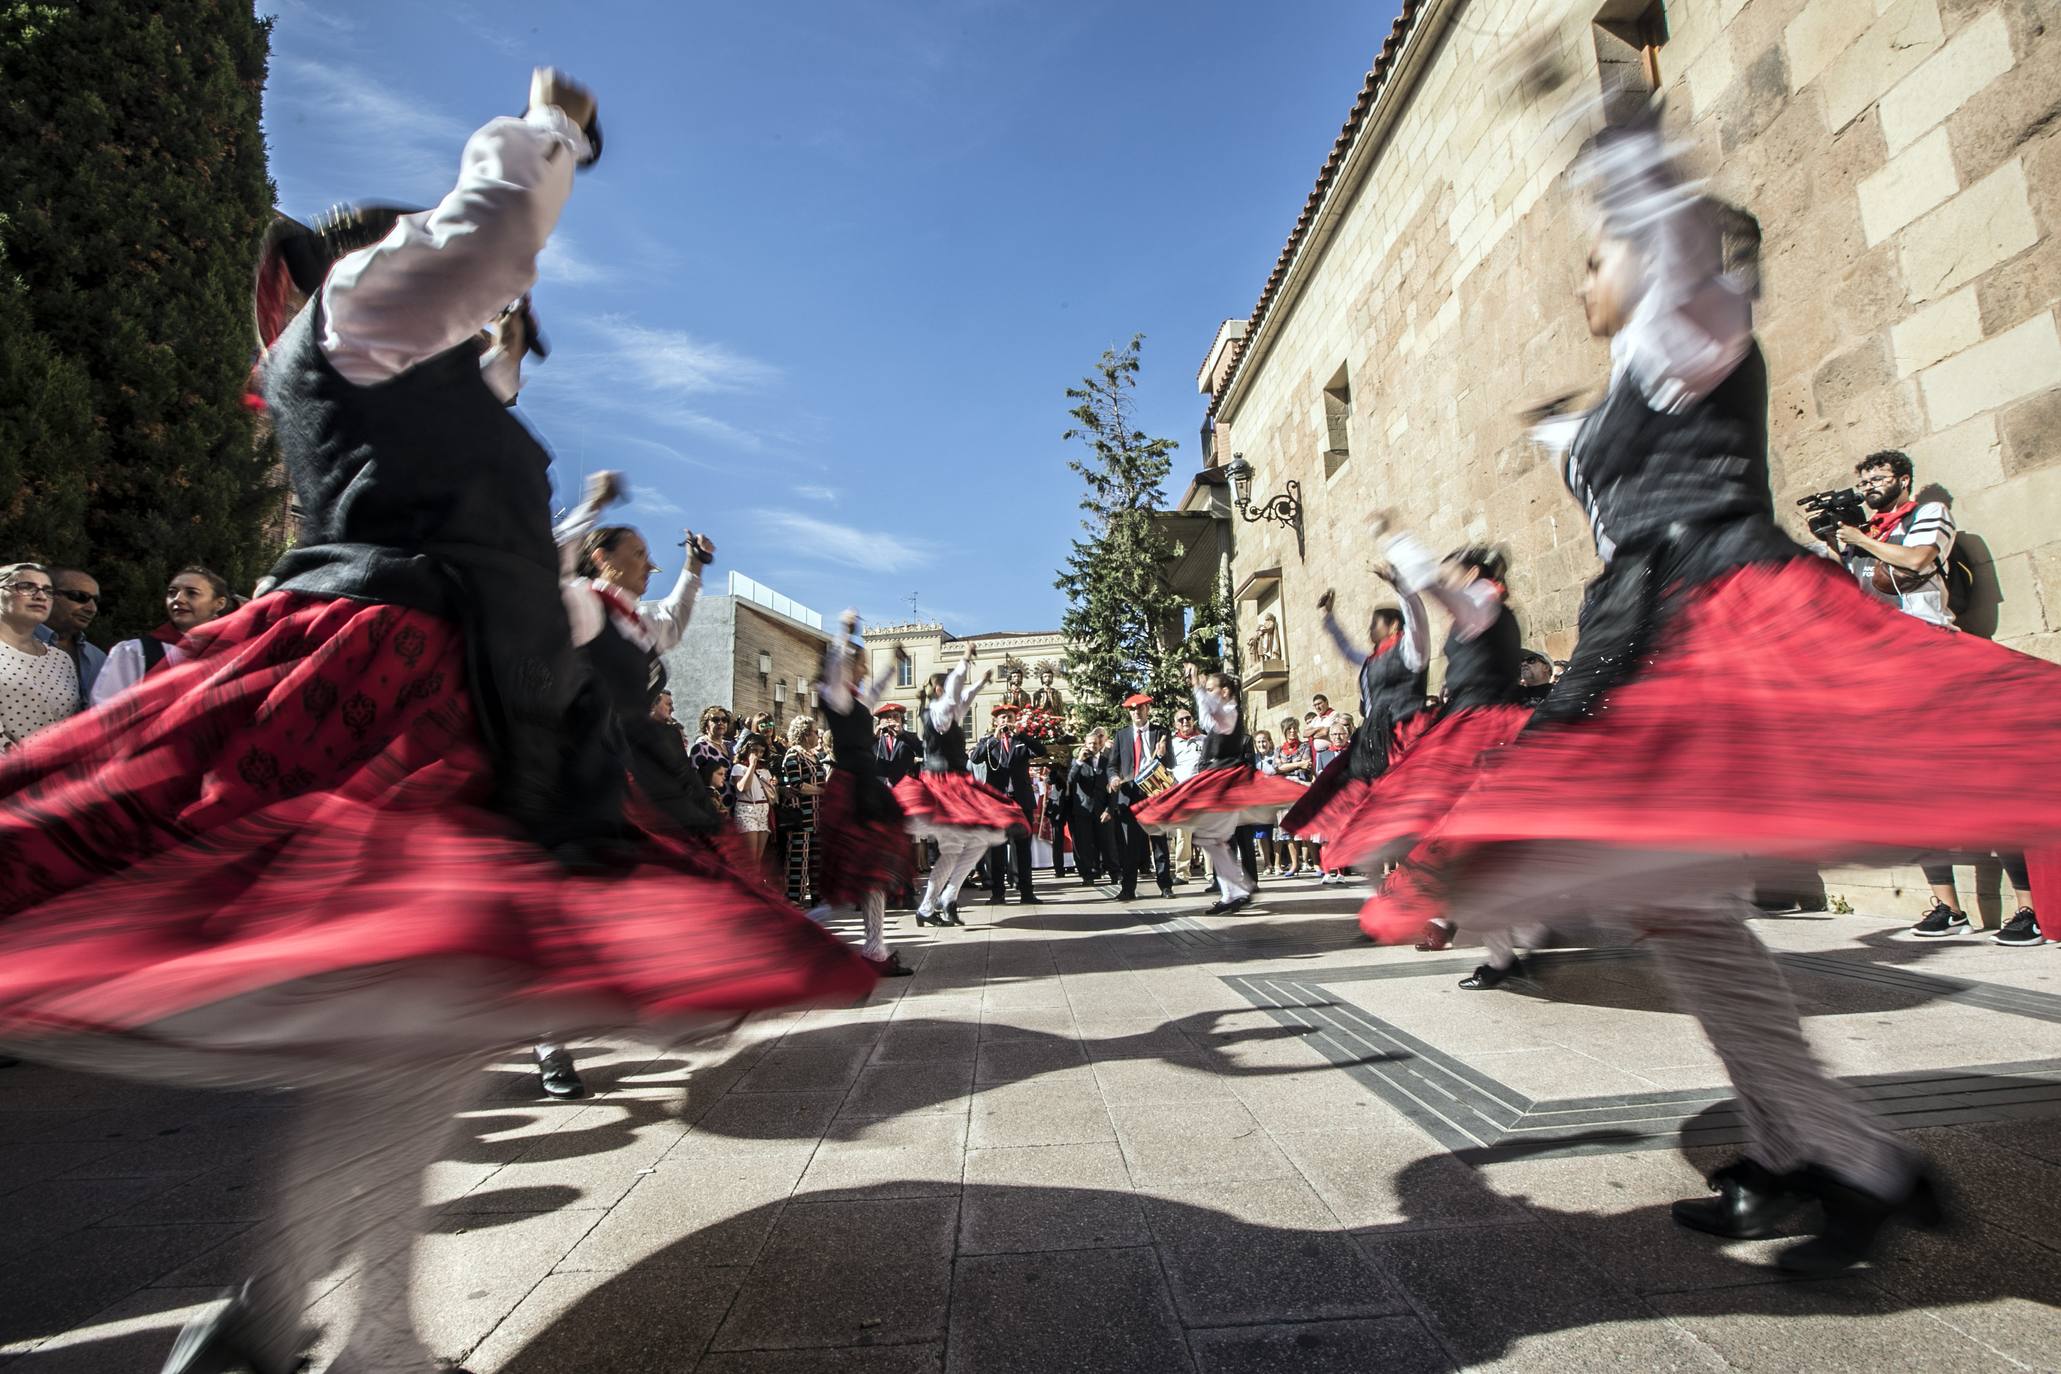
(1123, 622)
(133, 191)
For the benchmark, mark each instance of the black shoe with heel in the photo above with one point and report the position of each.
(1489, 976)
(1750, 1203)
(1855, 1220)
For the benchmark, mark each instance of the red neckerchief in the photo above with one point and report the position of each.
(622, 609)
(1191, 733)
(1385, 645)
(1882, 522)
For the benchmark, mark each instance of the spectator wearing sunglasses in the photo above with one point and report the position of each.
(73, 608)
(38, 685)
(192, 598)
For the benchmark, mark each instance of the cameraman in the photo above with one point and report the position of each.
(1901, 556)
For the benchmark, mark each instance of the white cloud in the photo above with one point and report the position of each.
(815, 493)
(416, 145)
(869, 550)
(562, 264)
(671, 360)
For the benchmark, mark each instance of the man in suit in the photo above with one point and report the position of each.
(1137, 745)
(1009, 758)
(897, 755)
(1086, 798)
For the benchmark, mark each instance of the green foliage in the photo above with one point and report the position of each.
(133, 191)
(1123, 622)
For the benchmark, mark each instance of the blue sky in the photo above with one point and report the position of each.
(824, 293)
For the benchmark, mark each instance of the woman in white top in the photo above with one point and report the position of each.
(755, 790)
(193, 597)
(39, 686)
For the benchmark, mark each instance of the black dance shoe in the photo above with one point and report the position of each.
(1031, 900)
(1489, 976)
(561, 1079)
(1167, 891)
(1750, 1203)
(890, 967)
(1228, 905)
(1854, 1221)
(221, 1342)
(952, 914)
(930, 918)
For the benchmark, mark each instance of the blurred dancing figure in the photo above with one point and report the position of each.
(369, 830)
(945, 802)
(1658, 761)
(866, 852)
(1226, 793)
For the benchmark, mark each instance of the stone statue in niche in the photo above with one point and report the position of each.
(1265, 644)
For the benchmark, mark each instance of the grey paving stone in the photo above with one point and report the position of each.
(1038, 1114)
(1263, 1251)
(1047, 1059)
(911, 1088)
(61, 1283)
(1012, 1022)
(712, 1209)
(1844, 1323)
(1391, 1345)
(650, 1321)
(236, 1193)
(778, 1119)
(912, 1156)
(135, 1334)
(891, 1359)
(1084, 1311)
(57, 1207)
(1147, 1081)
(1048, 1197)
(805, 1070)
(1465, 1282)
(846, 1273)
(2001, 1288)
(1396, 1179)
(917, 1041)
(1170, 1143)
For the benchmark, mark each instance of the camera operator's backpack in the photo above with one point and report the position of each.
(1956, 575)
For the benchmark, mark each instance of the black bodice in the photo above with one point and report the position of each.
(1482, 671)
(1391, 689)
(629, 677)
(944, 751)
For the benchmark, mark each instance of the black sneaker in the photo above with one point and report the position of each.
(2022, 929)
(1940, 921)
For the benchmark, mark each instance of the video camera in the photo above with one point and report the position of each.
(1826, 511)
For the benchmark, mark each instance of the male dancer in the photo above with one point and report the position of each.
(1138, 747)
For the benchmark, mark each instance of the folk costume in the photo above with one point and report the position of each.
(865, 839)
(1393, 677)
(944, 803)
(320, 851)
(1483, 651)
(1137, 754)
(1226, 793)
(1689, 726)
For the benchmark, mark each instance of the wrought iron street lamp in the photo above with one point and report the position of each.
(1284, 509)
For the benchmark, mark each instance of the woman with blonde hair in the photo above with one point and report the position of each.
(39, 685)
(802, 776)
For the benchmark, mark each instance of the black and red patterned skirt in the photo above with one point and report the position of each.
(1413, 796)
(1784, 714)
(865, 839)
(948, 805)
(1219, 800)
(1335, 796)
(305, 798)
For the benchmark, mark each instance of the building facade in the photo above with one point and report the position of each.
(747, 649)
(932, 650)
(1898, 166)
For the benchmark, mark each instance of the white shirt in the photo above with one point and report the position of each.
(835, 687)
(1187, 756)
(1931, 523)
(36, 690)
(443, 275)
(954, 701)
(1472, 607)
(125, 667)
(659, 625)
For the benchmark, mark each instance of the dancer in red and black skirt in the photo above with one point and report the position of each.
(1227, 791)
(866, 852)
(369, 832)
(945, 802)
(1392, 683)
(1714, 656)
(1484, 651)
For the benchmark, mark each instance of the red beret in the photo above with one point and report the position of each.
(1137, 699)
(892, 708)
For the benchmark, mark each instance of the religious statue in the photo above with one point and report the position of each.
(1047, 697)
(1265, 644)
(1013, 694)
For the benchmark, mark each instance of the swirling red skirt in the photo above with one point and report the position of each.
(306, 797)
(1782, 714)
(940, 801)
(1248, 795)
(1333, 798)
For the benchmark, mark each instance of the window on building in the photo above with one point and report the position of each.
(1338, 412)
(905, 673)
(1629, 36)
(780, 692)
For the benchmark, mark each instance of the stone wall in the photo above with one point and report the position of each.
(797, 663)
(1903, 161)
(701, 670)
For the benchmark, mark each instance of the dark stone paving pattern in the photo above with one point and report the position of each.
(1088, 1137)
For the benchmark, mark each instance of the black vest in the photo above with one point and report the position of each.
(1482, 671)
(944, 751)
(1390, 689)
(629, 678)
(1227, 751)
(424, 491)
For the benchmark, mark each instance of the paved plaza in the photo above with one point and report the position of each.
(1122, 1137)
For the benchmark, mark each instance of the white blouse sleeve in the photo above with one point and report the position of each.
(123, 670)
(1219, 717)
(667, 620)
(1416, 635)
(442, 275)
(947, 709)
(1473, 607)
